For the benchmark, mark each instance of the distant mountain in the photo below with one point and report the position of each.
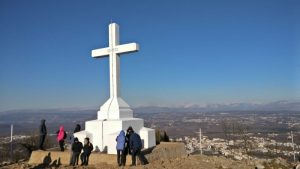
(49, 111)
(272, 106)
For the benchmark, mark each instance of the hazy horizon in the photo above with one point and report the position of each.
(281, 105)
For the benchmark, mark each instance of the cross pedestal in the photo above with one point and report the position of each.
(103, 133)
(115, 108)
(115, 114)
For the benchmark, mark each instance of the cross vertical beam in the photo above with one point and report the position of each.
(114, 61)
(115, 107)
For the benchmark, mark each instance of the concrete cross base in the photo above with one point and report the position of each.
(114, 108)
(103, 133)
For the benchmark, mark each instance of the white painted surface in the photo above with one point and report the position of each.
(115, 114)
(115, 109)
(113, 51)
(147, 136)
(103, 133)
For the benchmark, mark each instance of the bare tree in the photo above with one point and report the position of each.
(226, 129)
(242, 132)
(31, 143)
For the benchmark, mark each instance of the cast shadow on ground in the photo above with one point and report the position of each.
(47, 162)
(147, 151)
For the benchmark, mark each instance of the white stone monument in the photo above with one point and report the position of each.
(115, 114)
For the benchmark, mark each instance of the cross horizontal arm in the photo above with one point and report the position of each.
(127, 48)
(100, 52)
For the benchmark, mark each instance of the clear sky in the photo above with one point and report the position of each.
(191, 52)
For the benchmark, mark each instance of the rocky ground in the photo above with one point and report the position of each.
(171, 156)
(188, 162)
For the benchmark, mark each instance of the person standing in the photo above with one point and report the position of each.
(76, 150)
(121, 148)
(135, 144)
(71, 141)
(77, 128)
(127, 146)
(61, 136)
(87, 150)
(43, 133)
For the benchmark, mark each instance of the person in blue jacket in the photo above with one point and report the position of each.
(135, 147)
(121, 138)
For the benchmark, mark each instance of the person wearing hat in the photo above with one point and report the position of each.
(71, 141)
(135, 147)
(121, 139)
(76, 150)
(127, 148)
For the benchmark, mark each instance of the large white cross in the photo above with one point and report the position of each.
(114, 50)
(115, 114)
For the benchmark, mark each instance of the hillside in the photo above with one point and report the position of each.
(170, 156)
(190, 162)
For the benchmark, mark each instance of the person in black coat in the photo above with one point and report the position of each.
(77, 128)
(71, 140)
(135, 144)
(43, 133)
(87, 149)
(127, 146)
(76, 150)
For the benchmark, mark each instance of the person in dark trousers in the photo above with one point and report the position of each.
(87, 149)
(127, 146)
(135, 144)
(71, 141)
(43, 133)
(61, 136)
(121, 138)
(76, 150)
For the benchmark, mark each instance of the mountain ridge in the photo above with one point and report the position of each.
(282, 105)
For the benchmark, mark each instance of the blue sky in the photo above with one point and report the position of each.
(191, 52)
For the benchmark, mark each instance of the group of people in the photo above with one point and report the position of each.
(61, 135)
(83, 150)
(129, 143)
(77, 148)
